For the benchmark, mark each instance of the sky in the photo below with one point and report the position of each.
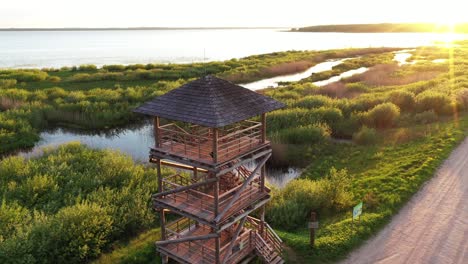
(219, 13)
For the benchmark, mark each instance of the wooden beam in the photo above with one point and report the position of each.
(262, 178)
(215, 146)
(241, 189)
(217, 251)
(162, 217)
(216, 197)
(185, 188)
(243, 162)
(182, 166)
(233, 240)
(263, 127)
(186, 239)
(245, 213)
(157, 138)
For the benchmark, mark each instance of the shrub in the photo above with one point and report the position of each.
(425, 117)
(54, 79)
(291, 206)
(87, 67)
(403, 99)
(383, 115)
(438, 102)
(313, 101)
(365, 136)
(7, 83)
(304, 134)
(114, 67)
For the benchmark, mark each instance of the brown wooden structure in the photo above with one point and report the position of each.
(205, 130)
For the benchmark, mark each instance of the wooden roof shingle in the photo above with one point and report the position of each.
(211, 102)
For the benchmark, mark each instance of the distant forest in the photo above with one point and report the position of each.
(385, 28)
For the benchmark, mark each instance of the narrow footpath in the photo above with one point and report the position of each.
(432, 227)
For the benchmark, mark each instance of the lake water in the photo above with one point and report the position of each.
(36, 49)
(135, 141)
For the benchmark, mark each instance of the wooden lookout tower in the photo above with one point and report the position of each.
(208, 130)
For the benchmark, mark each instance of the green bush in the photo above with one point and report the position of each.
(7, 83)
(303, 134)
(403, 99)
(87, 67)
(438, 102)
(54, 79)
(425, 117)
(365, 136)
(383, 115)
(291, 206)
(313, 101)
(71, 203)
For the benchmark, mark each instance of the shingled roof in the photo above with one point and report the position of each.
(211, 102)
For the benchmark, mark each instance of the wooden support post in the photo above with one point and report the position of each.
(217, 251)
(263, 127)
(216, 196)
(195, 173)
(157, 136)
(215, 146)
(313, 219)
(262, 178)
(162, 217)
(262, 221)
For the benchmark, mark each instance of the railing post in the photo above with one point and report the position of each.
(263, 127)
(215, 146)
(216, 197)
(162, 217)
(157, 132)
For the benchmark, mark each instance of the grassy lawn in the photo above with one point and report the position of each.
(140, 249)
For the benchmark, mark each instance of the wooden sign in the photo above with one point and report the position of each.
(313, 225)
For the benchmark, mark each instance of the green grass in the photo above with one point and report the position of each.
(140, 249)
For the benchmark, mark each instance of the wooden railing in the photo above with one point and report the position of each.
(267, 235)
(181, 227)
(201, 197)
(197, 196)
(197, 142)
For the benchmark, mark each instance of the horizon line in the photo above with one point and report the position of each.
(126, 28)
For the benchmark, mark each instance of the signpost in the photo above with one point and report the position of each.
(357, 211)
(313, 224)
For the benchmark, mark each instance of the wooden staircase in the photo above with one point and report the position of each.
(268, 245)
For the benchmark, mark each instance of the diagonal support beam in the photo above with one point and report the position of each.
(234, 238)
(181, 189)
(242, 188)
(186, 239)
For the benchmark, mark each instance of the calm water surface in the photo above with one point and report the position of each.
(36, 49)
(136, 142)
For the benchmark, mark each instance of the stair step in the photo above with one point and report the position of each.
(277, 260)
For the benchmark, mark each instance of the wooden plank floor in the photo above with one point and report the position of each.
(203, 152)
(192, 205)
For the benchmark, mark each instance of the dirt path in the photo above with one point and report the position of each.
(432, 227)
